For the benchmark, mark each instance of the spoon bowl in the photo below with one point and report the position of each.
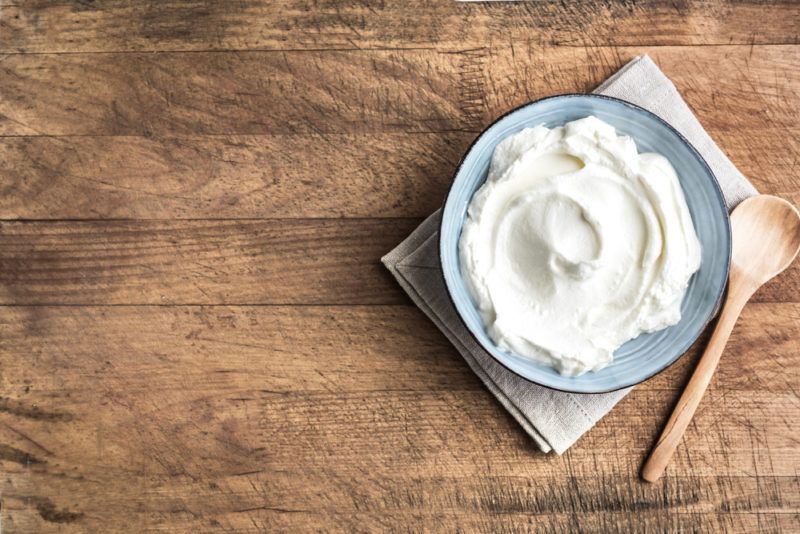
(766, 238)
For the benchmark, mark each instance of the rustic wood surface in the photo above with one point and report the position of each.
(195, 331)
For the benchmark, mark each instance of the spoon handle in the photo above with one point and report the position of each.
(690, 399)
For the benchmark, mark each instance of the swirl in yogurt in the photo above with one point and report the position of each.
(576, 244)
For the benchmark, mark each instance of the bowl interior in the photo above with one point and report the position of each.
(648, 354)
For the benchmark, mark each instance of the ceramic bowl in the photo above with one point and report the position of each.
(648, 354)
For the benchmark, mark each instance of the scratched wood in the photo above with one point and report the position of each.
(195, 330)
(201, 262)
(112, 25)
(156, 173)
(225, 416)
(327, 92)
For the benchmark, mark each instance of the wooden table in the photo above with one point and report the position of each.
(196, 333)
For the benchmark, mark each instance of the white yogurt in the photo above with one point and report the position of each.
(576, 244)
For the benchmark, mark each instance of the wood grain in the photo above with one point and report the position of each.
(294, 261)
(245, 418)
(205, 262)
(58, 26)
(262, 176)
(732, 88)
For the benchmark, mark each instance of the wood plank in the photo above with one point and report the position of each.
(319, 349)
(207, 262)
(360, 175)
(382, 505)
(296, 261)
(264, 176)
(732, 88)
(114, 25)
(358, 417)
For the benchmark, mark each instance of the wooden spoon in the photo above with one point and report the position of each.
(766, 238)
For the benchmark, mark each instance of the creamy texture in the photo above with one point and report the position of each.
(576, 244)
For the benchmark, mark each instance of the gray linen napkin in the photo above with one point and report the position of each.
(554, 419)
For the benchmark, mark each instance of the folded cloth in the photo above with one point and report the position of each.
(554, 419)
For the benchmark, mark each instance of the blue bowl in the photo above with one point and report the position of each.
(648, 354)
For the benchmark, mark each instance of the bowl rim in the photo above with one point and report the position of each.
(715, 182)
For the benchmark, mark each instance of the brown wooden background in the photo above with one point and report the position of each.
(195, 331)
